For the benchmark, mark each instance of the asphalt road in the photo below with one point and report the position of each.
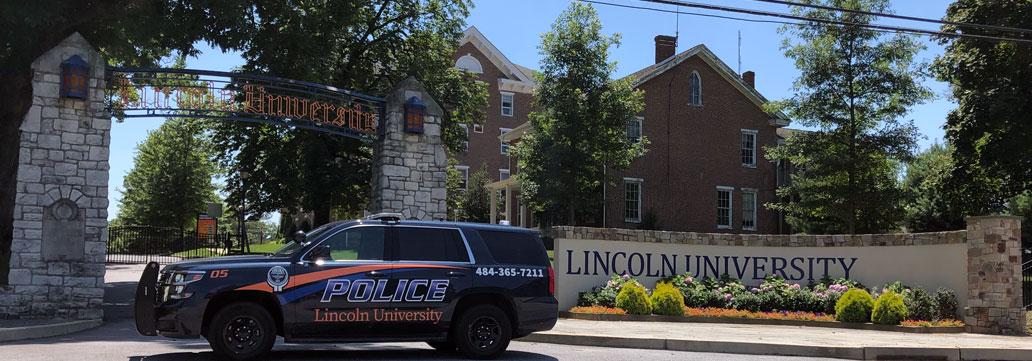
(118, 340)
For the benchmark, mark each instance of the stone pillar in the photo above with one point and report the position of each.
(60, 214)
(410, 169)
(994, 297)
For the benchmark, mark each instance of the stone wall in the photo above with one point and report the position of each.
(410, 170)
(60, 215)
(990, 294)
(994, 276)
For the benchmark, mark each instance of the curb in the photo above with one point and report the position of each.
(48, 330)
(757, 348)
(756, 321)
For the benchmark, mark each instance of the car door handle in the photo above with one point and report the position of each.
(456, 274)
(376, 274)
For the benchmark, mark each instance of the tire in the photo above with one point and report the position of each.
(483, 332)
(253, 325)
(443, 346)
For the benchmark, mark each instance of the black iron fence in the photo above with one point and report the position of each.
(142, 244)
(1026, 278)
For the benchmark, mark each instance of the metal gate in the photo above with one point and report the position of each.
(142, 244)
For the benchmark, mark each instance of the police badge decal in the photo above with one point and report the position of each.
(277, 278)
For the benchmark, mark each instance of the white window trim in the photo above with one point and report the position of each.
(755, 133)
(503, 147)
(641, 193)
(464, 171)
(691, 100)
(730, 207)
(478, 128)
(501, 103)
(755, 208)
(465, 144)
(503, 171)
(641, 126)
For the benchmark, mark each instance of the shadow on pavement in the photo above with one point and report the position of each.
(385, 354)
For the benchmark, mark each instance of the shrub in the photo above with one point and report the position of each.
(854, 306)
(945, 304)
(920, 305)
(747, 302)
(889, 309)
(603, 295)
(634, 299)
(667, 300)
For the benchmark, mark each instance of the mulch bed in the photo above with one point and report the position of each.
(754, 321)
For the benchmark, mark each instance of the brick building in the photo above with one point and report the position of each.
(705, 169)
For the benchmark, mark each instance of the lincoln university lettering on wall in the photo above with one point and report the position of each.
(745, 268)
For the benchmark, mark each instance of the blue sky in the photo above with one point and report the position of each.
(515, 28)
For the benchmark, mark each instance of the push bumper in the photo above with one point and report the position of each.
(173, 318)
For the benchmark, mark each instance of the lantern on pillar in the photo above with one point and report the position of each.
(75, 75)
(415, 111)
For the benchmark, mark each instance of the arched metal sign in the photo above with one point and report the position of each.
(139, 93)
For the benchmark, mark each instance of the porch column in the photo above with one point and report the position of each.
(494, 204)
(508, 204)
(523, 215)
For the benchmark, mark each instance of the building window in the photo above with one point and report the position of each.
(695, 88)
(634, 129)
(463, 176)
(504, 146)
(749, 148)
(749, 209)
(503, 174)
(478, 128)
(465, 132)
(724, 207)
(508, 104)
(632, 200)
(469, 63)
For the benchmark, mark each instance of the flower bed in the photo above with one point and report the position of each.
(783, 318)
(840, 302)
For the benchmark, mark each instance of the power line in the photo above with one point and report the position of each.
(901, 17)
(598, 2)
(827, 21)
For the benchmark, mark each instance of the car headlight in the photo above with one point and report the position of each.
(176, 289)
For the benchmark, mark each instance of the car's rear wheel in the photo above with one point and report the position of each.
(483, 332)
(242, 331)
(446, 346)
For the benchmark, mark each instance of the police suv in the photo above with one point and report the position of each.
(457, 286)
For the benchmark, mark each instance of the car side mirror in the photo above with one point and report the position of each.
(321, 253)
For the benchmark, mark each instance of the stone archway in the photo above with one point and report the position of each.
(58, 253)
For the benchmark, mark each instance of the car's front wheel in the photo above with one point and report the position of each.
(483, 332)
(242, 331)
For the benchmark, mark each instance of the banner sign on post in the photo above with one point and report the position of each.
(206, 226)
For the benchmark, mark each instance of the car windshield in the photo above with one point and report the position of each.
(293, 246)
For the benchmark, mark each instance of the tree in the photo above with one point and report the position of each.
(171, 179)
(992, 84)
(855, 85)
(934, 203)
(475, 201)
(579, 125)
(365, 46)
(136, 33)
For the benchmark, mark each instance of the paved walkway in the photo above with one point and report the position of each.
(786, 340)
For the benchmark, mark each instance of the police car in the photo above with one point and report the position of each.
(457, 286)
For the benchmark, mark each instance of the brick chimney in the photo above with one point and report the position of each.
(665, 47)
(749, 78)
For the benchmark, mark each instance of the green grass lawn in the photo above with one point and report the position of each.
(266, 247)
(205, 252)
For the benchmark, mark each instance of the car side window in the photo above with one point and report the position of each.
(431, 244)
(359, 243)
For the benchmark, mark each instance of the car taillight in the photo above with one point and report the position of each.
(551, 281)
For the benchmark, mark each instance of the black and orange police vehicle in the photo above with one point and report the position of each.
(457, 286)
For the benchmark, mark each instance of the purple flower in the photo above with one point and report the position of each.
(795, 286)
(755, 290)
(728, 297)
(689, 279)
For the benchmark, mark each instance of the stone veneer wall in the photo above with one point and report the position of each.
(994, 292)
(994, 276)
(60, 215)
(410, 170)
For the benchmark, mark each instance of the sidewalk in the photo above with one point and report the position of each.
(787, 340)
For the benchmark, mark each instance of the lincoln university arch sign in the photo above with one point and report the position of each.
(143, 93)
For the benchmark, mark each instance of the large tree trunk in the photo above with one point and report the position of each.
(15, 101)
